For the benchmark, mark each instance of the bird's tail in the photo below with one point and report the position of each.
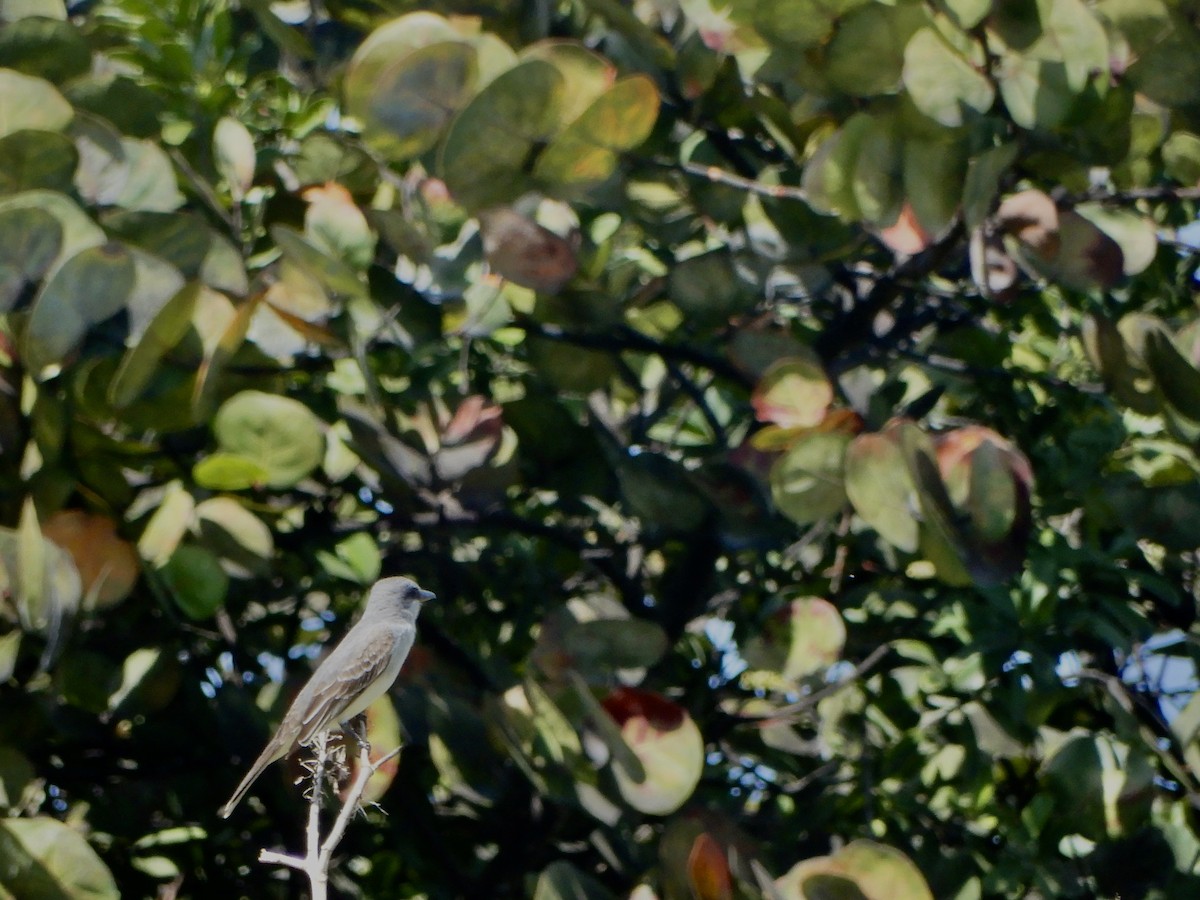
(270, 753)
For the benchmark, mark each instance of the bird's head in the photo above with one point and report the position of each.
(397, 596)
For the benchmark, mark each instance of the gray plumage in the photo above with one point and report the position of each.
(359, 670)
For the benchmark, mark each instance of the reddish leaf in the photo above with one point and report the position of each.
(708, 870)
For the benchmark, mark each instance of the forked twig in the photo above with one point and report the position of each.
(319, 854)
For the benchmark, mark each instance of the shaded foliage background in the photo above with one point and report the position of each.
(793, 404)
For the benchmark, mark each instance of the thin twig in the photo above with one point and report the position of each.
(318, 855)
(807, 702)
(720, 176)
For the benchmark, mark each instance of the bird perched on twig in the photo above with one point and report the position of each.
(358, 671)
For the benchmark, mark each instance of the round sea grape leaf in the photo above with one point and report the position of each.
(804, 637)
(586, 151)
(1036, 92)
(332, 273)
(828, 176)
(1103, 787)
(131, 108)
(606, 645)
(278, 433)
(36, 160)
(862, 870)
(490, 141)
(30, 240)
(415, 99)
(933, 175)
(383, 47)
(91, 286)
(195, 580)
(794, 392)
(942, 84)
(866, 55)
(44, 47)
(526, 253)
(667, 743)
(881, 490)
(241, 540)
(45, 858)
(562, 881)
(103, 168)
(1181, 156)
(586, 73)
(1136, 235)
(15, 10)
(657, 489)
(706, 287)
(151, 184)
(334, 223)
(108, 565)
(807, 481)
(31, 103)
(78, 230)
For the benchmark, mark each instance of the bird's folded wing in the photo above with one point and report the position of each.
(351, 676)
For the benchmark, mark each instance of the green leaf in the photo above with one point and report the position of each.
(385, 47)
(794, 392)
(1178, 379)
(229, 472)
(234, 155)
(90, 287)
(414, 100)
(167, 329)
(29, 103)
(30, 240)
(241, 540)
(562, 881)
(44, 47)
(166, 528)
(805, 637)
(333, 273)
(586, 151)
(78, 231)
(658, 490)
(355, 558)
(1181, 157)
(606, 645)
(866, 55)
(196, 581)
(984, 173)
(45, 859)
(807, 481)
(880, 488)
(151, 185)
(942, 84)
(483, 157)
(933, 175)
(278, 433)
(36, 160)
(16, 772)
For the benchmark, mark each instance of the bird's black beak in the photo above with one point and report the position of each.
(426, 596)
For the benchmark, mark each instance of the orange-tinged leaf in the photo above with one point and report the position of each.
(793, 392)
(108, 566)
(905, 236)
(667, 743)
(708, 870)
